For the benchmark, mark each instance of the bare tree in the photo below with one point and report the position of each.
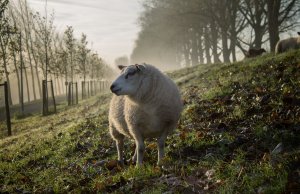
(70, 46)
(83, 52)
(254, 12)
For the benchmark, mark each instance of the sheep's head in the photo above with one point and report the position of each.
(129, 80)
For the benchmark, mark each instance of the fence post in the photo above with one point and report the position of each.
(72, 93)
(91, 87)
(69, 94)
(82, 89)
(76, 89)
(95, 86)
(88, 89)
(8, 123)
(45, 99)
(67, 88)
(94, 90)
(53, 97)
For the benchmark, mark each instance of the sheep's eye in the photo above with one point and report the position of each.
(130, 74)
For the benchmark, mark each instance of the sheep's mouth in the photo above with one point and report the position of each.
(116, 90)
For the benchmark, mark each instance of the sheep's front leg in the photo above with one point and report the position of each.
(161, 148)
(120, 148)
(140, 149)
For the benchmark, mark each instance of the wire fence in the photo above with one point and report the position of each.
(49, 101)
(93, 87)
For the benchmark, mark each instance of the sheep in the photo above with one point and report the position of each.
(287, 44)
(146, 104)
(253, 52)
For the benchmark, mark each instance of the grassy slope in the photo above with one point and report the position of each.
(234, 117)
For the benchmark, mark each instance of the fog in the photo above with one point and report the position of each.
(111, 27)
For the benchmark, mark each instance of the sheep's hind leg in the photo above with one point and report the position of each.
(161, 148)
(119, 138)
(140, 149)
(120, 148)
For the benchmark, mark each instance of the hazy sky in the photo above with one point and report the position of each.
(110, 24)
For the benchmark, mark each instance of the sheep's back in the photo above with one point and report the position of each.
(287, 44)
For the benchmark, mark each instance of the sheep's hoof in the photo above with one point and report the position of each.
(163, 163)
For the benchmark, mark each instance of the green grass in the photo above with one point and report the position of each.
(234, 117)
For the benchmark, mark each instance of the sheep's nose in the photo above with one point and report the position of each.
(112, 87)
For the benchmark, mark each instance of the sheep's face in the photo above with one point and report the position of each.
(129, 81)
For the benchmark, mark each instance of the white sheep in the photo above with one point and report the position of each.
(287, 44)
(147, 104)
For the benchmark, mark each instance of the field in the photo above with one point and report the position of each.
(239, 133)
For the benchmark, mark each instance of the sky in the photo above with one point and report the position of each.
(110, 25)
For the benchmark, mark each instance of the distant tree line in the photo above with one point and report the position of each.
(29, 42)
(176, 32)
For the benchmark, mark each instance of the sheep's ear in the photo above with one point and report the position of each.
(299, 33)
(140, 67)
(121, 67)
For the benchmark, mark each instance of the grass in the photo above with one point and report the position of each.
(234, 117)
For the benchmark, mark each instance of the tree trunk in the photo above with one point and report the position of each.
(66, 84)
(31, 68)
(233, 28)
(62, 84)
(27, 34)
(226, 52)
(27, 84)
(232, 48)
(33, 53)
(194, 54)
(259, 25)
(258, 36)
(17, 73)
(186, 55)
(207, 45)
(4, 57)
(200, 47)
(214, 42)
(58, 85)
(273, 23)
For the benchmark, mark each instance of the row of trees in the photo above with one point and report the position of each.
(175, 32)
(31, 46)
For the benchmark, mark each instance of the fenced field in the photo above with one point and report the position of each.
(76, 92)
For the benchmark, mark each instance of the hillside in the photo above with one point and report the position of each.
(239, 133)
